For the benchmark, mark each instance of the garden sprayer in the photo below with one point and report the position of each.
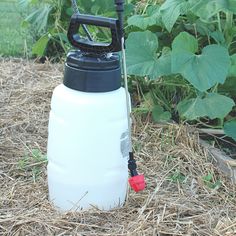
(89, 143)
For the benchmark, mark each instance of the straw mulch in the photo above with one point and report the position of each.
(177, 200)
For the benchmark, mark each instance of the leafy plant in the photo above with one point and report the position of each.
(177, 176)
(49, 21)
(210, 182)
(32, 163)
(159, 115)
(142, 57)
(230, 129)
(192, 41)
(182, 53)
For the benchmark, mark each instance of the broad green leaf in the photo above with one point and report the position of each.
(230, 129)
(41, 45)
(163, 63)
(141, 53)
(230, 5)
(213, 106)
(129, 8)
(185, 42)
(142, 58)
(171, 10)
(144, 21)
(206, 9)
(232, 69)
(218, 37)
(202, 71)
(103, 7)
(159, 115)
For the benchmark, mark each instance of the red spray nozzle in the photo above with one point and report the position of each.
(137, 183)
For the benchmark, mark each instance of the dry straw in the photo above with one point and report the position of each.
(185, 194)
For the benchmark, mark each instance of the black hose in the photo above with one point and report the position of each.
(120, 12)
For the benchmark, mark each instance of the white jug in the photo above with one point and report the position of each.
(88, 144)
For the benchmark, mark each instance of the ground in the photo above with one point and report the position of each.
(185, 193)
(14, 40)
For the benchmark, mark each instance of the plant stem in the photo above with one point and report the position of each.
(145, 8)
(219, 22)
(172, 84)
(229, 20)
(215, 88)
(228, 28)
(209, 126)
(211, 131)
(162, 100)
(221, 122)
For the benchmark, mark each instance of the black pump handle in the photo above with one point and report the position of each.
(86, 45)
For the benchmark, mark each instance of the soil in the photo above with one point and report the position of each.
(185, 193)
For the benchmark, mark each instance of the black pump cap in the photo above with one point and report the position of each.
(92, 73)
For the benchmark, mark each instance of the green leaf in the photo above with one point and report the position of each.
(171, 10)
(142, 59)
(185, 42)
(129, 8)
(218, 37)
(41, 45)
(144, 21)
(208, 177)
(210, 183)
(206, 9)
(25, 24)
(39, 17)
(61, 36)
(177, 176)
(230, 5)
(23, 4)
(230, 129)
(213, 106)
(202, 71)
(232, 69)
(69, 11)
(200, 27)
(159, 115)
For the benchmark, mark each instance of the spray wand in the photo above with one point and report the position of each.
(136, 181)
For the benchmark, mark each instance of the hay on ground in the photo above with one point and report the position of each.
(185, 194)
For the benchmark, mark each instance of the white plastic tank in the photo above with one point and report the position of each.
(88, 145)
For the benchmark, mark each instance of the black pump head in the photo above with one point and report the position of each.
(86, 45)
(89, 46)
(87, 73)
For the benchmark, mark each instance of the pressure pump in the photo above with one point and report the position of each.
(89, 143)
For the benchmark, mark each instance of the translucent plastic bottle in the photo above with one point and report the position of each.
(88, 136)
